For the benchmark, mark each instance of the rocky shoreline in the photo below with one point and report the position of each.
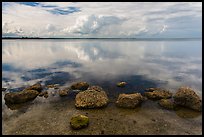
(90, 97)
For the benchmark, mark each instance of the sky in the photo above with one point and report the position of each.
(102, 19)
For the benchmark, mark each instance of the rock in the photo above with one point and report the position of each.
(80, 86)
(79, 121)
(158, 94)
(63, 92)
(167, 104)
(3, 89)
(44, 94)
(91, 99)
(121, 84)
(153, 89)
(38, 87)
(96, 88)
(185, 96)
(20, 97)
(129, 100)
(55, 86)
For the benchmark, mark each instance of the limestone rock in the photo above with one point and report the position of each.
(80, 86)
(185, 96)
(38, 87)
(158, 94)
(20, 97)
(91, 99)
(121, 84)
(79, 121)
(129, 100)
(167, 104)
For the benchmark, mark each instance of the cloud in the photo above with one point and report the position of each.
(100, 19)
(93, 24)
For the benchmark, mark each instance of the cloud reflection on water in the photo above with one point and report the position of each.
(175, 63)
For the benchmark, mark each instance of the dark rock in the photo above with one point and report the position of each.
(158, 94)
(153, 89)
(63, 92)
(44, 94)
(121, 84)
(80, 86)
(185, 96)
(20, 97)
(91, 99)
(79, 121)
(167, 104)
(38, 87)
(56, 86)
(129, 100)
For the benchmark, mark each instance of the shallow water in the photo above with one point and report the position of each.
(142, 64)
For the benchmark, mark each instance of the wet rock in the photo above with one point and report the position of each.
(63, 92)
(129, 100)
(96, 88)
(80, 86)
(91, 99)
(157, 94)
(20, 97)
(185, 96)
(153, 89)
(79, 121)
(121, 84)
(167, 104)
(55, 86)
(44, 94)
(38, 87)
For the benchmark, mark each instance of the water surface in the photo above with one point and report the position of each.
(141, 63)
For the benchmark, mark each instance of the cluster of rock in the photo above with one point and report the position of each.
(95, 97)
(185, 96)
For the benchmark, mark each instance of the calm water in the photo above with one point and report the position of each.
(142, 64)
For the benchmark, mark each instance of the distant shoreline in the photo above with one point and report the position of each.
(107, 38)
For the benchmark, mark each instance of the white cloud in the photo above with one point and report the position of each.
(112, 19)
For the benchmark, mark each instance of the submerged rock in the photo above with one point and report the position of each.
(185, 96)
(153, 89)
(79, 121)
(55, 86)
(91, 99)
(129, 100)
(157, 94)
(167, 104)
(44, 94)
(63, 92)
(80, 86)
(20, 97)
(121, 84)
(38, 87)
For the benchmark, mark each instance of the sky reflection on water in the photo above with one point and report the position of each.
(142, 64)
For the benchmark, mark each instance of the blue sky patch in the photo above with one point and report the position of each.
(66, 11)
(29, 3)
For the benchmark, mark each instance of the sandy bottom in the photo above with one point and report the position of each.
(52, 116)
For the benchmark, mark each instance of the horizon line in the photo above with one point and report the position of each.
(94, 38)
